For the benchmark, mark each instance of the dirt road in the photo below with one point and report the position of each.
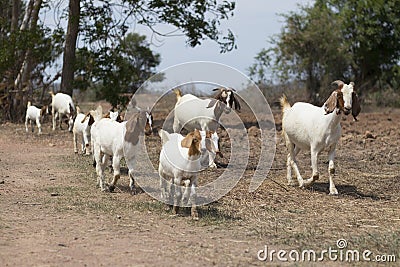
(52, 213)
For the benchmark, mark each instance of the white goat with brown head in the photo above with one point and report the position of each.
(308, 127)
(117, 140)
(180, 162)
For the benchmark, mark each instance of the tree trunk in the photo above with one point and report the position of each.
(23, 78)
(68, 68)
(15, 15)
(24, 26)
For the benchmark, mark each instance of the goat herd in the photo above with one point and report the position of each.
(182, 157)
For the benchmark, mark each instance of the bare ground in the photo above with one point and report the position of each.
(52, 213)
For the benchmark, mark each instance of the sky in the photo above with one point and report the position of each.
(253, 23)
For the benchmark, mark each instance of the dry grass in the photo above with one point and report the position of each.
(366, 213)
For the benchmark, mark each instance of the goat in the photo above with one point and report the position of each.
(35, 114)
(82, 126)
(192, 112)
(180, 161)
(114, 115)
(96, 115)
(227, 96)
(308, 127)
(62, 104)
(110, 138)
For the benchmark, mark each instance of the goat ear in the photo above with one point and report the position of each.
(132, 130)
(236, 102)
(339, 84)
(331, 102)
(71, 109)
(91, 120)
(217, 89)
(164, 135)
(187, 141)
(212, 103)
(356, 107)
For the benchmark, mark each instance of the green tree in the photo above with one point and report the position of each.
(27, 49)
(117, 71)
(103, 23)
(335, 39)
(371, 31)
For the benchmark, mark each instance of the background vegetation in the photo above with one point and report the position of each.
(331, 39)
(351, 40)
(107, 57)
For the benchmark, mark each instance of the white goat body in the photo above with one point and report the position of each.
(82, 127)
(107, 141)
(308, 127)
(180, 161)
(118, 140)
(62, 104)
(192, 113)
(34, 114)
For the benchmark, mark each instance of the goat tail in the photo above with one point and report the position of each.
(285, 105)
(178, 93)
(29, 104)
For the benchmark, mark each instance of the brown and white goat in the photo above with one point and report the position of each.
(180, 162)
(308, 127)
(192, 112)
(62, 104)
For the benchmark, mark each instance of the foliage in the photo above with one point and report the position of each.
(110, 66)
(119, 70)
(335, 39)
(38, 46)
(197, 20)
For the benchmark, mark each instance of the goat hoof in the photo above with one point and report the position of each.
(292, 183)
(333, 192)
(111, 188)
(134, 191)
(213, 166)
(175, 210)
(195, 215)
